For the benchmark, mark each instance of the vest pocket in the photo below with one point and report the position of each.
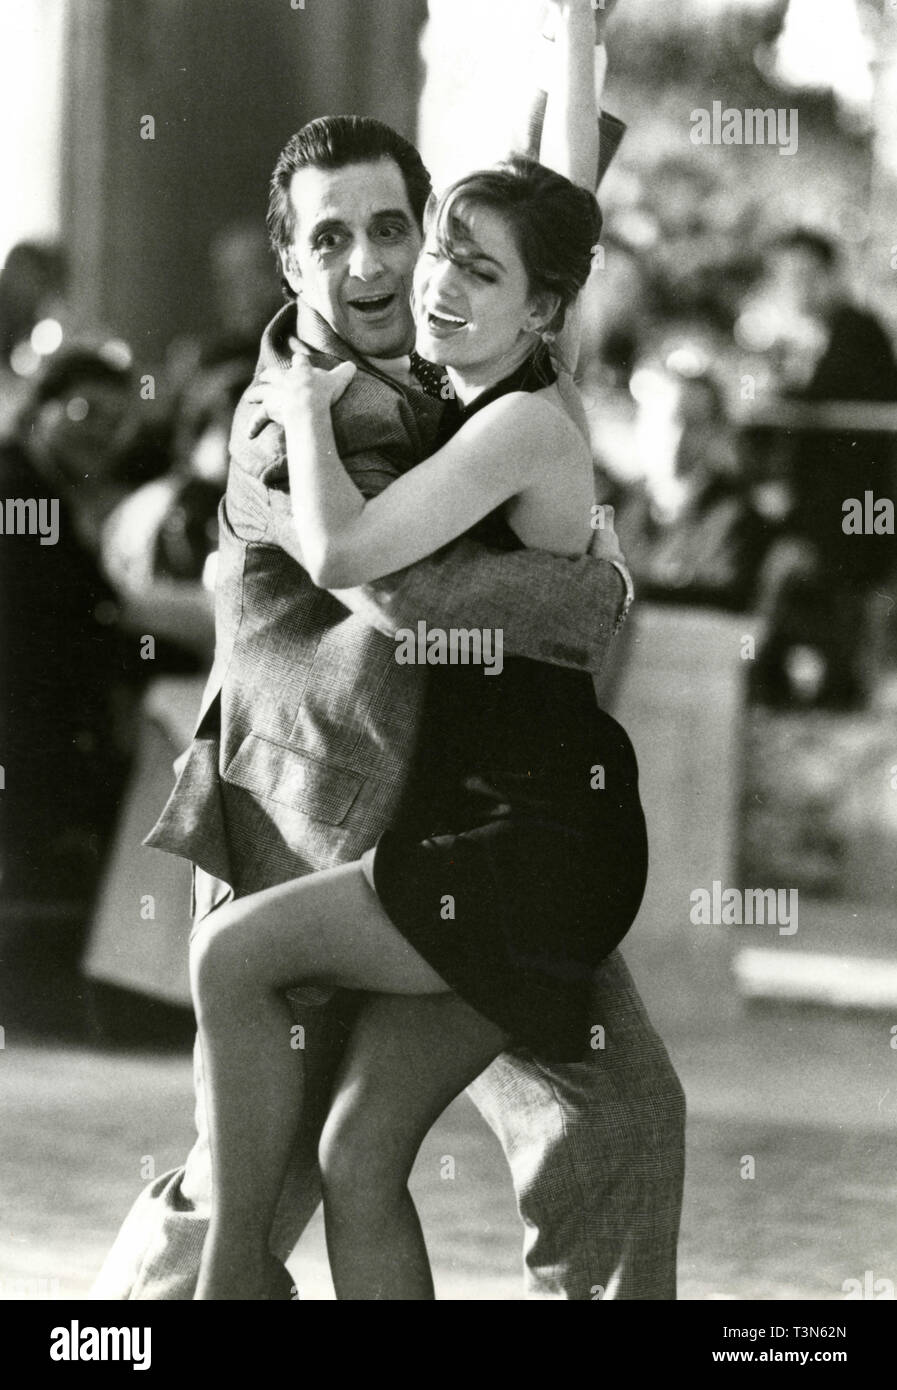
(277, 772)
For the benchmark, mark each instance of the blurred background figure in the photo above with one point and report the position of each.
(69, 675)
(159, 545)
(824, 347)
(33, 292)
(245, 297)
(692, 531)
(246, 285)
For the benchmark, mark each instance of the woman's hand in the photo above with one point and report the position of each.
(301, 390)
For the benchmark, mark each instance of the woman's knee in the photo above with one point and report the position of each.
(217, 957)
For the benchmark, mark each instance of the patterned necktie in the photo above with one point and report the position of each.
(431, 378)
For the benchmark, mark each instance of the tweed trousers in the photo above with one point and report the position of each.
(595, 1149)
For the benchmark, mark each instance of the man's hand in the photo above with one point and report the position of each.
(605, 543)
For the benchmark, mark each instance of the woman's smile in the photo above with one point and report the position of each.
(441, 322)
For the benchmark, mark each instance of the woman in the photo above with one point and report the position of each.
(519, 857)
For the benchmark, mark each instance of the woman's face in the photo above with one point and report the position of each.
(475, 312)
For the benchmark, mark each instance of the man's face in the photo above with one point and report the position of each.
(801, 281)
(353, 254)
(84, 430)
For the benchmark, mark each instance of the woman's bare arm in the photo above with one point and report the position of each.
(570, 146)
(346, 541)
(570, 136)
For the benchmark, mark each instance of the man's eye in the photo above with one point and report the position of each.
(391, 232)
(327, 241)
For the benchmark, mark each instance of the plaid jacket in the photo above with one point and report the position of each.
(308, 723)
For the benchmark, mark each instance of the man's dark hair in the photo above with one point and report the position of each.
(69, 367)
(805, 239)
(333, 142)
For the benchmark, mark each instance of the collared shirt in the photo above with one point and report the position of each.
(399, 368)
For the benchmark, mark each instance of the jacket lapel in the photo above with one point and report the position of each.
(317, 334)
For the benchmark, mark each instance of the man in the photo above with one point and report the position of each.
(817, 582)
(307, 731)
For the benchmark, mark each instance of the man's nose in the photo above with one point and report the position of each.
(366, 261)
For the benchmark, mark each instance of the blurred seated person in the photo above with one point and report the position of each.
(829, 347)
(159, 547)
(79, 430)
(69, 675)
(692, 531)
(825, 347)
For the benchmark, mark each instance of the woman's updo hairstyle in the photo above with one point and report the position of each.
(555, 224)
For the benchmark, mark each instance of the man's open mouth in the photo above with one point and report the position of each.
(373, 305)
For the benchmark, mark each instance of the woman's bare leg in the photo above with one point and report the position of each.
(406, 1059)
(328, 928)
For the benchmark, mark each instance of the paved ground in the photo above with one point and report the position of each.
(811, 1097)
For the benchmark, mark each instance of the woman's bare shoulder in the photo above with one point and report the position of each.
(557, 413)
(532, 426)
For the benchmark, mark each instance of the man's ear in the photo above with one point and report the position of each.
(291, 271)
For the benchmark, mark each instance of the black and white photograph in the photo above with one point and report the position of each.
(448, 662)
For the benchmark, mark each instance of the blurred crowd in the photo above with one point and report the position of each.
(738, 390)
(703, 364)
(136, 465)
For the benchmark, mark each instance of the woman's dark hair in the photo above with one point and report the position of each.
(555, 224)
(333, 142)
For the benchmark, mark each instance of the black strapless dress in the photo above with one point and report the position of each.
(519, 858)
